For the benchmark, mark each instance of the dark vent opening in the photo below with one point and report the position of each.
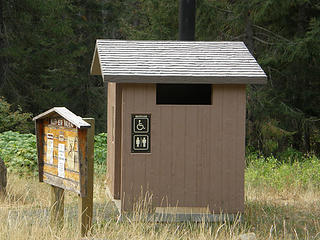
(184, 94)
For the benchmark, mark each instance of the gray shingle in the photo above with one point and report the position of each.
(65, 113)
(176, 62)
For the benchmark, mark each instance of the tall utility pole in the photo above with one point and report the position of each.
(187, 15)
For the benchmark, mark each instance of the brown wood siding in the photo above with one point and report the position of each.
(113, 139)
(197, 152)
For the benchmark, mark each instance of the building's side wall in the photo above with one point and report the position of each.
(197, 152)
(113, 139)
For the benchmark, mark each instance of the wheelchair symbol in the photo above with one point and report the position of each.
(140, 126)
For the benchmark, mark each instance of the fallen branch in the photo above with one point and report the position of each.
(266, 30)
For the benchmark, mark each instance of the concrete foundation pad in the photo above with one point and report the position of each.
(181, 217)
(176, 214)
(192, 214)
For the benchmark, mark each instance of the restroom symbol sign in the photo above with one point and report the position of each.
(140, 133)
(141, 142)
(141, 123)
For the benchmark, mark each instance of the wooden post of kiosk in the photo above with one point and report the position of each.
(56, 207)
(85, 207)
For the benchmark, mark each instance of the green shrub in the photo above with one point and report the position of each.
(290, 155)
(19, 152)
(14, 121)
(271, 172)
(100, 153)
(20, 155)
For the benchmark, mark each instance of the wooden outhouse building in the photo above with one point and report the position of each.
(176, 121)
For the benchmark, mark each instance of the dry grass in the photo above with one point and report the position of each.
(270, 214)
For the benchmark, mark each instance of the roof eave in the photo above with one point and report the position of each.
(186, 79)
(65, 113)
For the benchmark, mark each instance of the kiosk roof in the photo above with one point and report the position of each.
(65, 113)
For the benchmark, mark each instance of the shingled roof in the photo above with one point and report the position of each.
(65, 113)
(176, 62)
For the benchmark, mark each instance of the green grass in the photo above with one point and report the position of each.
(270, 172)
(292, 213)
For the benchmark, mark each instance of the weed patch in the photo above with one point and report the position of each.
(19, 152)
(270, 172)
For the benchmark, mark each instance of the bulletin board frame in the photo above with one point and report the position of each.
(62, 154)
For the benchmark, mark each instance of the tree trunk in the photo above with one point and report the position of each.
(297, 137)
(187, 15)
(3, 178)
(2, 42)
(249, 33)
(307, 145)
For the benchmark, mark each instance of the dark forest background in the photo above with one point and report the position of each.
(47, 48)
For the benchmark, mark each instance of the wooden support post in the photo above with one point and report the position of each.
(86, 203)
(57, 207)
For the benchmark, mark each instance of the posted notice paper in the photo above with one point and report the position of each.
(70, 153)
(50, 151)
(61, 160)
